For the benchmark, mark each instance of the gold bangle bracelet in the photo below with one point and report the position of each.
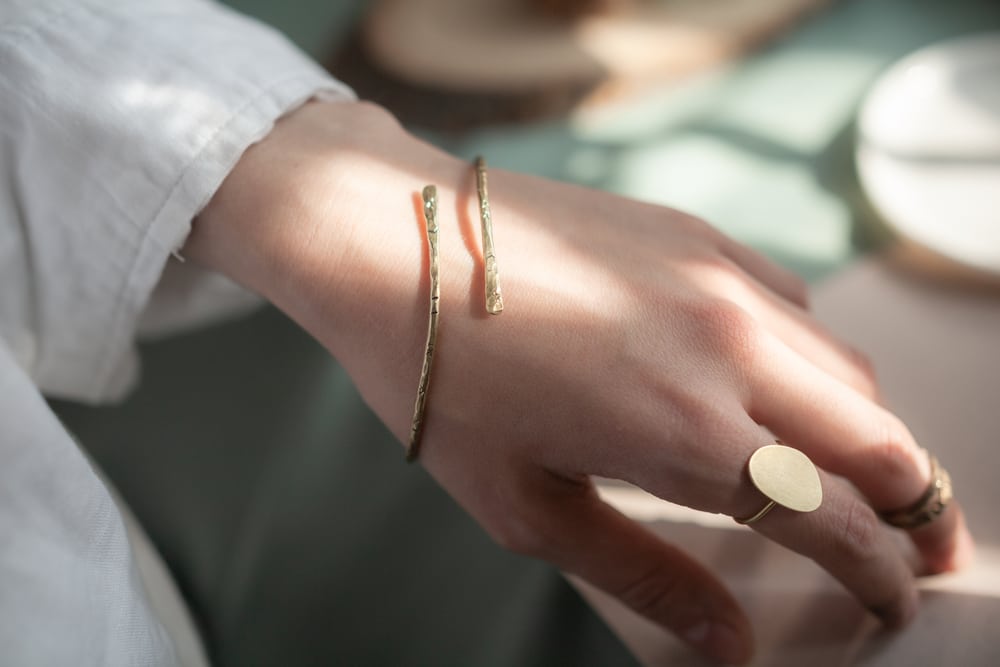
(494, 299)
(417, 426)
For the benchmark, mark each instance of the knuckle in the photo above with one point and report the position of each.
(728, 330)
(860, 534)
(655, 593)
(894, 451)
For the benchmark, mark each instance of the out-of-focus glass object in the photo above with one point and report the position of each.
(929, 154)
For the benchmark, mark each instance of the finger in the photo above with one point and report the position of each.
(785, 283)
(797, 329)
(846, 538)
(791, 324)
(844, 535)
(849, 435)
(945, 543)
(586, 537)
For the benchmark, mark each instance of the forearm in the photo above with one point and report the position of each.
(320, 219)
(323, 218)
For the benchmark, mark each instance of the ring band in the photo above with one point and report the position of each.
(758, 516)
(786, 477)
(928, 506)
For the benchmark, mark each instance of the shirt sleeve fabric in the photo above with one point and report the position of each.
(118, 121)
(71, 591)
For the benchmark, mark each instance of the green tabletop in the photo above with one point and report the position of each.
(283, 506)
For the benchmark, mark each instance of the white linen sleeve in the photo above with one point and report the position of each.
(118, 121)
(70, 592)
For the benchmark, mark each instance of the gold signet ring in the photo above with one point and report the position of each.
(786, 477)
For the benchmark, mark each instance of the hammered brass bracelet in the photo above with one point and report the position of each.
(494, 299)
(429, 196)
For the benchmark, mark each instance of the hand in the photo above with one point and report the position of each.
(637, 343)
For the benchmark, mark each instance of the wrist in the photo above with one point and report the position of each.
(279, 193)
(322, 218)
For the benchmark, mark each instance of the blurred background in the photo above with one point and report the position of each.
(281, 504)
(756, 134)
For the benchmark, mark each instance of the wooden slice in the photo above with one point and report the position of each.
(537, 58)
(925, 262)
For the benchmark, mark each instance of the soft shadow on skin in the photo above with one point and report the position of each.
(464, 199)
(798, 612)
(732, 552)
(801, 615)
(829, 619)
(297, 533)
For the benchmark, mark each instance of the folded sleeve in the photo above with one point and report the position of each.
(119, 120)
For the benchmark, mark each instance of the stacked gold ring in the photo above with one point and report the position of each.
(928, 506)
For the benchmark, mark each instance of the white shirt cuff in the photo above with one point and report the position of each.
(125, 117)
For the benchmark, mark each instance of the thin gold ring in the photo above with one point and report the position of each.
(758, 516)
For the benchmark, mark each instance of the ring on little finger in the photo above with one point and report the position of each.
(928, 506)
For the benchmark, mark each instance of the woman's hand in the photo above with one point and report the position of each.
(636, 343)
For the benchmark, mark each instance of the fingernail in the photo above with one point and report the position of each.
(718, 640)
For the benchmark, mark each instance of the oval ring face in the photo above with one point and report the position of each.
(786, 476)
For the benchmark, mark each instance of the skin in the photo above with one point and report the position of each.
(637, 343)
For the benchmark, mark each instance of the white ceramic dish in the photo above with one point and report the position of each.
(928, 149)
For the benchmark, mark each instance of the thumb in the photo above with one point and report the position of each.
(588, 538)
